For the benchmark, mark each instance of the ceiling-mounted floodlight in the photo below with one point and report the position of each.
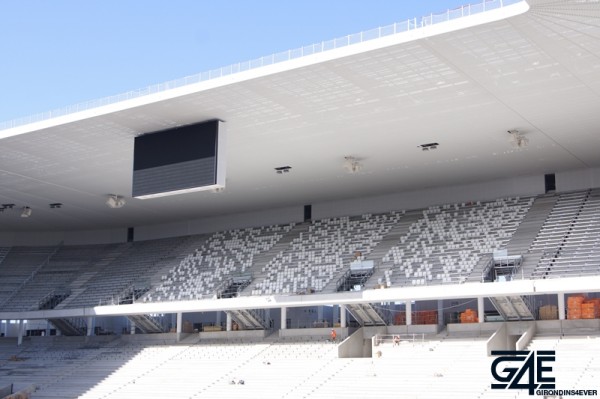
(517, 139)
(283, 169)
(26, 212)
(115, 201)
(428, 146)
(352, 164)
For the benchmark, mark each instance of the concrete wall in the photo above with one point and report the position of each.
(353, 346)
(520, 185)
(473, 329)
(499, 340)
(244, 334)
(427, 329)
(577, 179)
(526, 338)
(324, 333)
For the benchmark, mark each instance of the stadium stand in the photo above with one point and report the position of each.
(224, 255)
(234, 300)
(447, 243)
(276, 367)
(317, 257)
(18, 266)
(443, 244)
(569, 239)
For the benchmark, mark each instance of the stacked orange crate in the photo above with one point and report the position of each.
(574, 307)
(468, 316)
(400, 319)
(590, 309)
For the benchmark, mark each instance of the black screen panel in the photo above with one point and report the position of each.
(178, 160)
(181, 144)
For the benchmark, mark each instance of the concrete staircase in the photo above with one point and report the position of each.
(391, 239)
(366, 315)
(513, 308)
(78, 286)
(261, 260)
(522, 239)
(146, 324)
(249, 319)
(530, 226)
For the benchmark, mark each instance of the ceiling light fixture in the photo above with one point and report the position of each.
(115, 201)
(352, 164)
(283, 169)
(517, 139)
(428, 146)
(26, 212)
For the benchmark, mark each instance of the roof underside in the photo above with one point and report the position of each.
(538, 73)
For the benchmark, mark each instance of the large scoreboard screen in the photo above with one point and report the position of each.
(179, 160)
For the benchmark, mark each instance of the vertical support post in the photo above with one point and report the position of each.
(480, 309)
(561, 306)
(283, 318)
(20, 333)
(408, 313)
(229, 322)
(440, 311)
(218, 319)
(343, 320)
(179, 322)
(132, 328)
(90, 326)
(47, 328)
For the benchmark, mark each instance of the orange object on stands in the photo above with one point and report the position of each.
(574, 307)
(469, 316)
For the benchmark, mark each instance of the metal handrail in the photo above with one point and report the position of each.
(391, 338)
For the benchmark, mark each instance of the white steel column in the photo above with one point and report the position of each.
(90, 326)
(480, 309)
(283, 318)
(343, 321)
(229, 321)
(561, 306)
(408, 313)
(179, 322)
(20, 332)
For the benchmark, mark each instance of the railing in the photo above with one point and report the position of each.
(128, 296)
(487, 270)
(32, 275)
(399, 27)
(397, 339)
(53, 298)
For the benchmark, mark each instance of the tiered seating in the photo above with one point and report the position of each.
(60, 270)
(135, 264)
(570, 237)
(315, 258)
(297, 368)
(225, 254)
(559, 221)
(577, 364)
(19, 264)
(445, 245)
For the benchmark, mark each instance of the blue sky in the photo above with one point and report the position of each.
(62, 52)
